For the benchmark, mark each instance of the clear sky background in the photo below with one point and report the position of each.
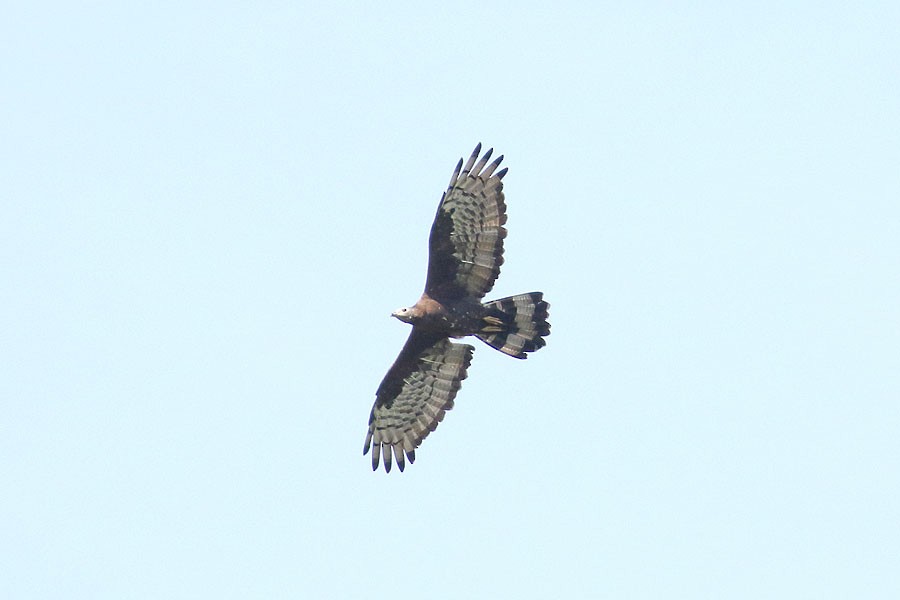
(209, 211)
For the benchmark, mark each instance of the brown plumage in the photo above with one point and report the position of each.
(465, 254)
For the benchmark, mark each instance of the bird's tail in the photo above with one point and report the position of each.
(515, 325)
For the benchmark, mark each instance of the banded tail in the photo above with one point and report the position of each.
(515, 325)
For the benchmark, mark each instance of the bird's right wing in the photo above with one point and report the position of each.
(414, 395)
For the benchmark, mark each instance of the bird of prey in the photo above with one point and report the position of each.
(465, 254)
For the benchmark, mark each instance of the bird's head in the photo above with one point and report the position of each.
(407, 315)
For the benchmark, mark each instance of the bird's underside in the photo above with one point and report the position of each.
(465, 254)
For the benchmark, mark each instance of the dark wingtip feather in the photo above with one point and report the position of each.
(386, 455)
(398, 457)
(502, 172)
(456, 172)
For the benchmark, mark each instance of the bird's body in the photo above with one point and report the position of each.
(456, 319)
(465, 254)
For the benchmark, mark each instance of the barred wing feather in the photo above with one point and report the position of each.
(466, 242)
(414, 396)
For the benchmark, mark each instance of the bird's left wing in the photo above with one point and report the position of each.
(466, 242)
(414, 395)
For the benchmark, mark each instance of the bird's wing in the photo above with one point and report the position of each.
(414, 395)
(466, 242)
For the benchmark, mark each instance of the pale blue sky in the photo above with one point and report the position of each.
(209, 211)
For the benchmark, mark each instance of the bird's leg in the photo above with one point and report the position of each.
(494, 324)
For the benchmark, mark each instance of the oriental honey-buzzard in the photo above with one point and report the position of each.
(465, 254)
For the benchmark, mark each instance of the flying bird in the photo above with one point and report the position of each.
(465, 254)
